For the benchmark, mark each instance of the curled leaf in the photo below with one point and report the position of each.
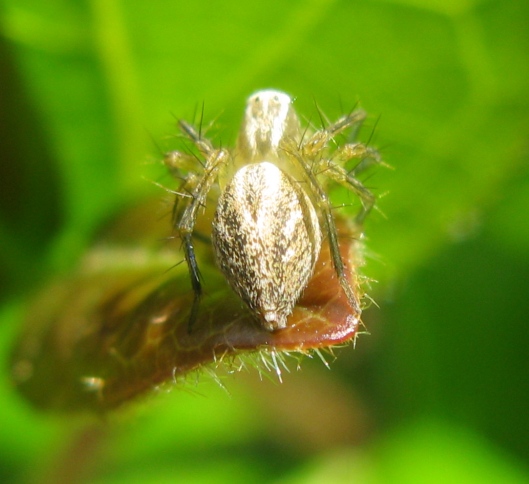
(118, 327)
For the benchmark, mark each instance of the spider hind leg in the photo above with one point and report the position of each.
(313, 159)
(196, 185)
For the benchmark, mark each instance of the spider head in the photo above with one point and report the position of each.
(269, 118)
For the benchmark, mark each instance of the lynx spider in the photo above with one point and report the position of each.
(266, 230)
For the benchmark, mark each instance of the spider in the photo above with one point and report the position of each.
(273, 206)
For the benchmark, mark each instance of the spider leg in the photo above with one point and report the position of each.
(194, 274)
(348, 179)
(366, 156)
(317, 143)
(326, 209)
(186, 209)
(308, 157)
(321, 138)
(178, 162)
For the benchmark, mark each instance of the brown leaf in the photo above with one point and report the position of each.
(118, 327)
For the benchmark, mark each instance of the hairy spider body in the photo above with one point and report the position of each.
(266, 230)
(267, 239)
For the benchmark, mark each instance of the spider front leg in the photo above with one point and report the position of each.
(186, 207)
(334, 169)
(320, 140)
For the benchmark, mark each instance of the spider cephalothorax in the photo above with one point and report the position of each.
(273, 211)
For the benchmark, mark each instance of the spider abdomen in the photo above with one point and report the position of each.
(267, 239)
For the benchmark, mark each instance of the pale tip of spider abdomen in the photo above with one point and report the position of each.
(274, 320)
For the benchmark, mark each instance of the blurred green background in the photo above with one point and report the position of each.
(439, 391)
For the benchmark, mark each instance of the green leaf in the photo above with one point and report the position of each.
(86, 87)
